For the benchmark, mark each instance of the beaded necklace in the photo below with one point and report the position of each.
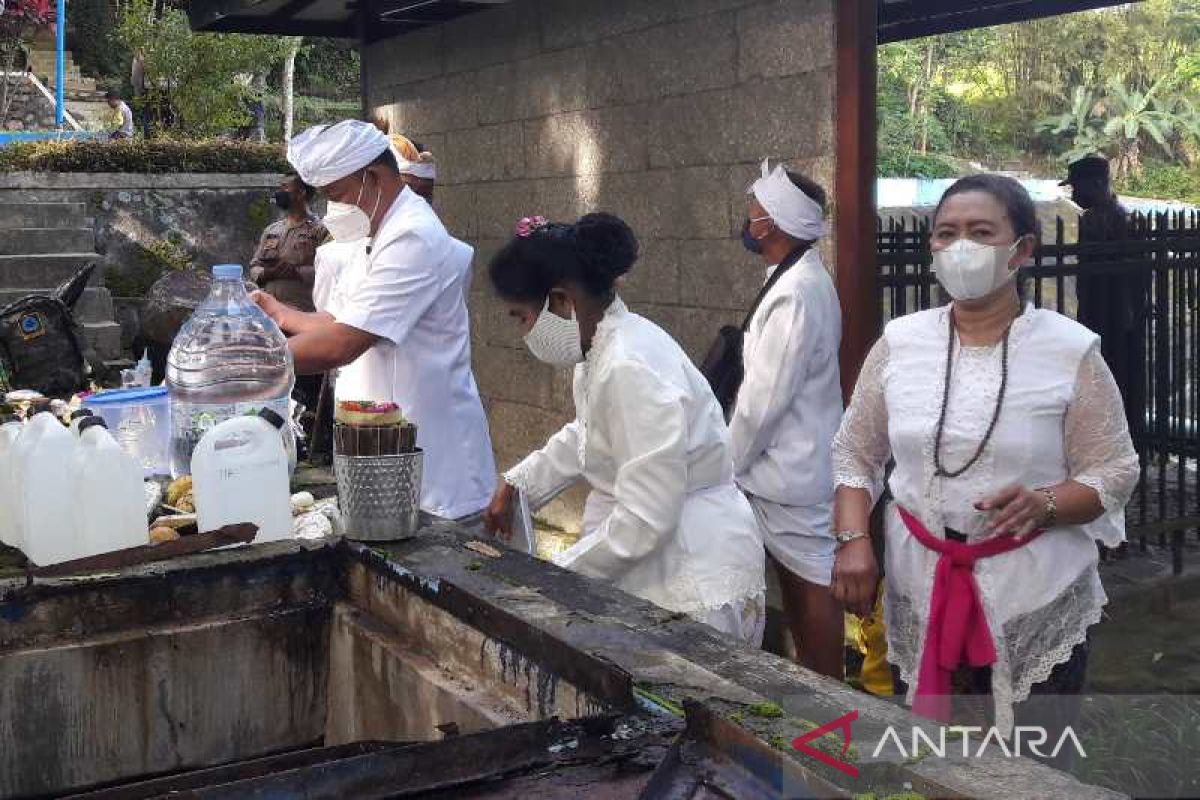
(939, 470)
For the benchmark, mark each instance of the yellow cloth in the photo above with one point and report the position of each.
(405, 148)
(869, 636)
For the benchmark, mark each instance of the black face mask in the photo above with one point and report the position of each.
(283, 200)
(749, 242)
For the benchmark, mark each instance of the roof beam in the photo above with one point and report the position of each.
(280, 27)
(913, 19)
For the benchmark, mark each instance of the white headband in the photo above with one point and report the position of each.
(793, 211)
(425, 168)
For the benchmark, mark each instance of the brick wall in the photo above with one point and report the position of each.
(656, 110)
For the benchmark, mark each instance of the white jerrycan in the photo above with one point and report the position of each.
(108, 502)
(41, 455)
(10, 528)
(240, 474)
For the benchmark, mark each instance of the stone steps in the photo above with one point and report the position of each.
(43, 245)
(104, 338)
(44, 240)
(14, 216)
(34, 271)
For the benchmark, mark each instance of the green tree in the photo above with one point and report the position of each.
(1123, 120)
(196, 83)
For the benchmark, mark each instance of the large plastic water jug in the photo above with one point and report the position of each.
(107, 500)
(10, 528)
(240, 474)
(228, 360)
(41, 455)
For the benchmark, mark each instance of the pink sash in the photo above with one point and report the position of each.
(958, 631)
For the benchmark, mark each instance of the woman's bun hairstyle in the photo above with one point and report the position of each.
(607, 249)
(592, 253)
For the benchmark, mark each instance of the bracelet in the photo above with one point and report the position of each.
(845, 537)
(1051, 508)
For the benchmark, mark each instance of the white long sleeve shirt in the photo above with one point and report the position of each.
(664, 520)
(790, 402)
(410, 292)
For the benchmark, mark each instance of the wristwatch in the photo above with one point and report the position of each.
(845, 537)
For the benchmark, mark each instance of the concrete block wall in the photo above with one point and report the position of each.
(657, 110)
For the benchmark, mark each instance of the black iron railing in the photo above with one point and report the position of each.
(1156, 265)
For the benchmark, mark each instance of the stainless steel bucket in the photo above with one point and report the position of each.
(380, 496)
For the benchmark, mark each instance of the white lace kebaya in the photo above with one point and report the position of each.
(664, 520)
(1062, 419)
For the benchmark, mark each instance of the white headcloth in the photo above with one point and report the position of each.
(793, 211)
(326, 153)
(426, 167)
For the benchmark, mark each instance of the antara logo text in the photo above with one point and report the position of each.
(968, 740)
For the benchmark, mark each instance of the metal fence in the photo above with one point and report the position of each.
(1161, 255)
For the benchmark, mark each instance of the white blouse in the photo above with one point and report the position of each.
(1062, 419)
(664, 520)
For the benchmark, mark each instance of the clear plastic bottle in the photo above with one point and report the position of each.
(228, 360)
(142, 371)
(239, 474)
(105, 486)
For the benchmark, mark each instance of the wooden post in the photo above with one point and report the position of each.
(854, 190)
(364, 20)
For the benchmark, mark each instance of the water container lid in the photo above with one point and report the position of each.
(91, 422)
(271, 417)
(121, 396)
(80, 412)
(227, 272)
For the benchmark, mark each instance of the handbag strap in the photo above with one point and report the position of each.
(792, 259)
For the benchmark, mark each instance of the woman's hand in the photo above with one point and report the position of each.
(274, 309)
(498, 517)
(855, 577)
(1016, 511)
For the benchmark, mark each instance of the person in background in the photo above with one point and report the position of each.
(789, 408)
(331, 258)
(1012, 457)
(420, 174)
(417, 165)
(283, 265)
(664, 520)
(396, 325)
(1114, 304)
(122, 117)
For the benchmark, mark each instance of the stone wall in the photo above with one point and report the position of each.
(29, 109)
(657, 110)
(208, 218)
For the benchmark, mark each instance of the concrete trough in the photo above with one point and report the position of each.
(427, 668)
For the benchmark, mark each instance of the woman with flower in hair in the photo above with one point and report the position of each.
(664, 520)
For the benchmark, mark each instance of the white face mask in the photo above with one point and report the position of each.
(346, 222)
(554, 340)
(969, 270)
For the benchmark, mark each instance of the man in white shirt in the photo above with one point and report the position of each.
(395, 322)
(124, 129)
(789, 408)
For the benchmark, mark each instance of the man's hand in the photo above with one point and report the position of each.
(498, 517)
(855, 577)
(274, 309)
